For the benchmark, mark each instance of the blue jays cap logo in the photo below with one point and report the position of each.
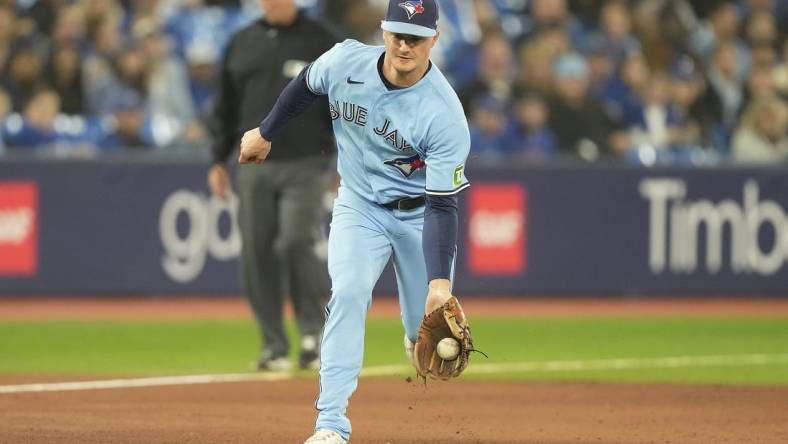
(407, 165)
(412, 17)
(412, 8)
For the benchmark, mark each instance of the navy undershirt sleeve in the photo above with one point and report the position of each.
(294, 99)
(439, 239)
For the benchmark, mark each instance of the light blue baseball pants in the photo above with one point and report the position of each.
(362, 239)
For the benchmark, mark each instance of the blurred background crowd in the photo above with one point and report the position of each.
(649, 82)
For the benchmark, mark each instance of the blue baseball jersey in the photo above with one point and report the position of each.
(392, 143)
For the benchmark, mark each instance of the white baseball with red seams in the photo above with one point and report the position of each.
(448, 349)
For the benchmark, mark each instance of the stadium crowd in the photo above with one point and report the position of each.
(643, 81)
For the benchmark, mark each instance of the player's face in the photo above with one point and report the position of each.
(408, 52)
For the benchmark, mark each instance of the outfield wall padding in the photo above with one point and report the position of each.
(140, 227)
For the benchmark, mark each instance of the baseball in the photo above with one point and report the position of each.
(448, 348)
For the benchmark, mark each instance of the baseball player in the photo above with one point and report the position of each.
(403, 141)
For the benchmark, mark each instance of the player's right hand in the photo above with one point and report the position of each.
(219, 181)
(254, 148)
(439, 293)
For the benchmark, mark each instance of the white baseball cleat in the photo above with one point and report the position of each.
(326, 436)
(408, 348)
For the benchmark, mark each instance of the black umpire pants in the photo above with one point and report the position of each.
(280, 213)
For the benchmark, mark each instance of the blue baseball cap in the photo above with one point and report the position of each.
(412, 17)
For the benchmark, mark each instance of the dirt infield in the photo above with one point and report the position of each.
(396, 411)
(401, 412)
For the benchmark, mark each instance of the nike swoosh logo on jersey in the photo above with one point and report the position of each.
(353, 82)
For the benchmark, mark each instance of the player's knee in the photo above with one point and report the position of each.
(351, 292)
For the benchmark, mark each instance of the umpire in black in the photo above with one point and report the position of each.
(280, 201)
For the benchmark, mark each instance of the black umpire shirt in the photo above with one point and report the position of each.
(259, 62)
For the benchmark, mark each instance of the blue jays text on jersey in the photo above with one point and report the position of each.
(392, 143)
(350, 112)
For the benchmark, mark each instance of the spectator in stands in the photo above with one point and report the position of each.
(650, 20)
(457, 51)
(724, 95)
(44, 129)
(763, 55)
(656, 124)
(25, 76)
(126, 100)
(578, 121)
(530, 139)
(7, 38)
(166, 85)
(616, 31)
(761, 32)
(202, 60)
(495, 72)
(536, 61)
(140, 17)
(101, 80)
(761, 29)
(547, 14)
(721, 29)
(97, 10)
(685, 89)
(65, 76)
(488, 127)
(600, 68)
(69, 25)
(760, 84)
(37, 128)
(778, 8)
(762, 138)
(359, 20)
(46, 43)
(622, 95)
(196, 23)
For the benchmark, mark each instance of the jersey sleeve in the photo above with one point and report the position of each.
(318, 76)
(446, 153)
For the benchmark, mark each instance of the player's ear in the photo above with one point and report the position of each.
(435, 38)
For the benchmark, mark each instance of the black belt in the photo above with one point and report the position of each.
(406, 203)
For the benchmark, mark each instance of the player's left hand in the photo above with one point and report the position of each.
(254, 147)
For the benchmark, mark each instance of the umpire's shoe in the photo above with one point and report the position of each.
(326, 436)
(269, 362)
(309, 359)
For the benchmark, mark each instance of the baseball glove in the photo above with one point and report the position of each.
(446, 321)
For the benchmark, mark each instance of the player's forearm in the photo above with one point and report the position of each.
(439, 239)
(294, 99)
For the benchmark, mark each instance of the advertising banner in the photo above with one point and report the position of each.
(112, 228)
(497, 218)
(18, 234)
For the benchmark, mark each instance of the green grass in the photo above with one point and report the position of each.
(186, 347)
